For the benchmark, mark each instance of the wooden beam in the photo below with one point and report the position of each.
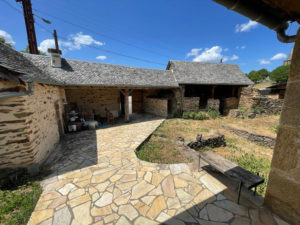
(126, 104)
(213, 91)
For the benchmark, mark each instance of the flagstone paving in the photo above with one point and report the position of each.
(106, 183)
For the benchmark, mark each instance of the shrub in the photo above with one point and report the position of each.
(243, 109)
(201, 116)
(258, 75)
(213, 114)
(185, 115)
(192, 115)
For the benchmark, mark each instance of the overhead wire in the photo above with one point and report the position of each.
(90, 46)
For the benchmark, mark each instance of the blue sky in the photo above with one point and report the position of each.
(154, 31)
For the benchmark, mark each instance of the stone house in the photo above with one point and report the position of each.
(36, 92)
(209, 85)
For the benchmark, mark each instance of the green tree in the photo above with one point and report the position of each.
(258, 75)
(26, 50)
(2, 40)
(280, 74)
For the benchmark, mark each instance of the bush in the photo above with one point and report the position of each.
(201, 116)
(192, 115)
(185, 115)
(280, 74)
(213, 114)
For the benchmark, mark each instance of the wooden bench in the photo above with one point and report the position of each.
(232, 170)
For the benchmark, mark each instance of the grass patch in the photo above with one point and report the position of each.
(17, 205)
(254, 164)
(150, 151)
(213, 114)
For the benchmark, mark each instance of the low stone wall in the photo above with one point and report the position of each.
(270, 105)
(213, 104)
(257, 138)
(249, 97)
(191, 104)
(156, 106)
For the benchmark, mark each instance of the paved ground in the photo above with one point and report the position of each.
(96, 178)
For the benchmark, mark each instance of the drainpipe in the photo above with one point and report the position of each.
(17, 94)
(262, 13)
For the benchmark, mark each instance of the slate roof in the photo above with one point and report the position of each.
(82, 73)
(208, 73)
(15, 61)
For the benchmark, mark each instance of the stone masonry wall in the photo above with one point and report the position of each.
(29, 125)
(95, 99)
(249, 97)
(156, 106)
(283, 190)
(191, 104)
(213, 104)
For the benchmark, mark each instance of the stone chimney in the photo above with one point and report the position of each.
(55, 53)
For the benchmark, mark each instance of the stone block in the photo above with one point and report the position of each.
(191, 104)
(213, 104)
(285, 155)
(283, 196)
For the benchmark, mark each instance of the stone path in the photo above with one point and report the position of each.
(112, 186)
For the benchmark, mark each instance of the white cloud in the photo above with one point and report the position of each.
(75, 42)
(243, 46)
(240, 47)
(225, 49)
(8, 38)
(245, 26)
(234, 57)
(101, 57)
(213, 54)
(209, 54)
(264, 62)
(279, 56)
(80, 39)
(194, 52)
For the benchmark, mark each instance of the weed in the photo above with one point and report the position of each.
(213, 113)
(257, 109)
(243, 109)
(275, 128)
(255, 165)
(201, 116)
(17, 205)
(204, 130)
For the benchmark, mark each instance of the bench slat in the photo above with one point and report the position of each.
(231, 169)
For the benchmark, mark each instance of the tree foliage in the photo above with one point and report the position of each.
(259, 75)
(2, 40)
(26, 50)
(280, 74)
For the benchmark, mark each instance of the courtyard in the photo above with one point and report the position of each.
(96, 178)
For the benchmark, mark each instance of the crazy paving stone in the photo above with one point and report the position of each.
(163, 217)
(82, 213)
(232, 207)
(79, 200)
(102, 186)
(66, 189)
(49, 195)
(218, 214)
(62, 217)
(179, 183)
(157, 207)
(123, 199)
(141, 189)
(141, 208)
(129, 211)
(101, 211)
(111, 218)
(102, 177)
(168, 187)
(204, 197)
(123, 221)
(39, 216)
(76, 193)
(144, 221)
(57, 202)
(148, 199)
(106, 199)
(156, 191)
(183, 196)
(239, 220)
(173, 203)
(213, 184)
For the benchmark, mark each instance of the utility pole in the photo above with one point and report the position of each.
(29, 22)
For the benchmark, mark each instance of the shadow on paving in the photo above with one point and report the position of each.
(79, 150)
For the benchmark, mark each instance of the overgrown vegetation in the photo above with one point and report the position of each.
(17, 204)
(255, 165)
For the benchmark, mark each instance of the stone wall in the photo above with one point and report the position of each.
(270, 105)
(191, 104)
(213, 104)
(230, 103)
(95, 99)
(249, 97)
(156, 106)
(283, 190)
(29, 125)
(137, 101)
(257, 138)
